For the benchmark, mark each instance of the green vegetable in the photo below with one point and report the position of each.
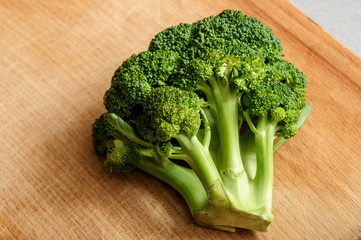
(203, 110)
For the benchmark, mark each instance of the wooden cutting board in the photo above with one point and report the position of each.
(57, 59)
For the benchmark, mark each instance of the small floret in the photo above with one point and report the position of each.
(103, 135)
(289, 130)
(123, 158)
(167, 112)
(278, 114)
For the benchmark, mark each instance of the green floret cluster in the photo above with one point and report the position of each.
(172, 112)
(136, 77)
(204, 109)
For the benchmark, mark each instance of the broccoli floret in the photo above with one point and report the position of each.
(122, 158)
(168, 112)
(103, 135)
(203, 109)
(135, 78)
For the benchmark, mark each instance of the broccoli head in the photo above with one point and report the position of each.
(203, 109)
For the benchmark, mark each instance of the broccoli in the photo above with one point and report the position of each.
(204, 109)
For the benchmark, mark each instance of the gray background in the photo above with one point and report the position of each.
(341, 18)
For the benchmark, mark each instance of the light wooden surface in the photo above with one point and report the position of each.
(57, 59)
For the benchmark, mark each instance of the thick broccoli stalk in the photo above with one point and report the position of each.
(203, 110)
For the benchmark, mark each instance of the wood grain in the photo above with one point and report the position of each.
(57, 59)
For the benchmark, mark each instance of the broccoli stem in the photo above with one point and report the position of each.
(223, 104)
(227, 122)
(263, 181)
(248, 153)
(182, 179)
(230, 163)
(200, 160)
